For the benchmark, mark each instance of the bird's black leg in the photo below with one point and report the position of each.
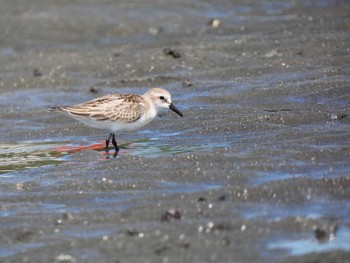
(107, 141)
(107, 144)
(114, 142)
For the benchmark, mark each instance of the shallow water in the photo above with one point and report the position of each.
(37, 153)
(260, 158)
(303, 246)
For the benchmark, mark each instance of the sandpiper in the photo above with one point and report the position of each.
(120, 112)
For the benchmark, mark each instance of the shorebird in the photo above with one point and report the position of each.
(120, 112)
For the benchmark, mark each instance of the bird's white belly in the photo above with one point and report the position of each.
(129, 126)
(116, 126)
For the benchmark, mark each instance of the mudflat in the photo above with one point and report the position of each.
(257, 170)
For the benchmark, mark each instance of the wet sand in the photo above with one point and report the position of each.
(256, 171)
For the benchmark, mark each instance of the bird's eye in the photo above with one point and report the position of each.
(161, 97)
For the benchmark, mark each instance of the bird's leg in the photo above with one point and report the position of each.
(114, 142)
(107, 141)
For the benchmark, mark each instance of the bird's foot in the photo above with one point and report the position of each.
(116, 152)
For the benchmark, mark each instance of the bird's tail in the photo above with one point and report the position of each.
(55, 109)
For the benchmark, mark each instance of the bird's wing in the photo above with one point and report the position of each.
(122, 108)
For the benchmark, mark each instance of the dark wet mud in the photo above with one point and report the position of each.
(258, 170)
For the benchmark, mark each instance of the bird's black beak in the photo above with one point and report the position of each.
(174, 109)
